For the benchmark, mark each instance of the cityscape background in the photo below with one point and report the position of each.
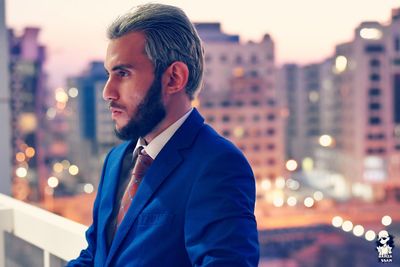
(318, 118)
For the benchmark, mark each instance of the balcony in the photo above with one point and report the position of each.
(30, 236)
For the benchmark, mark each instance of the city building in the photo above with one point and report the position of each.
(367, 71)
(92, 130)
(5, 133)
(27, 94)
(239, 97)
(343, 113)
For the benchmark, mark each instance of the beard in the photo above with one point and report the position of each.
(150, 112)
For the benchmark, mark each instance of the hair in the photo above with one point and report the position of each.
(170, 37)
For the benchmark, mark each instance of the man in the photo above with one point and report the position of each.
(189, 200)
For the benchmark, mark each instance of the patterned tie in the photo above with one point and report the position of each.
(143, 162)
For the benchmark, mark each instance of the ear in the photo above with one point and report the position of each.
(175, 77)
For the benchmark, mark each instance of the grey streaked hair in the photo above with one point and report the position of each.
(170, 37)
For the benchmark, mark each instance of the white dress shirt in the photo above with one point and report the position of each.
(155, 146)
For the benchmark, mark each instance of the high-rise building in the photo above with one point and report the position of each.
(5, 133)
(92, 135)
(366, 70)
(27, 95)
(239, 97)
(343, 113)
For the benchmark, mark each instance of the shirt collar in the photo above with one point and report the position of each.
(155, 146)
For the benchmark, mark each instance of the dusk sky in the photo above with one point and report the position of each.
(303, 31)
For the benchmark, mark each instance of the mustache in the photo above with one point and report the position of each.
(113, 104)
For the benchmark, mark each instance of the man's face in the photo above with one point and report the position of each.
(133, 92)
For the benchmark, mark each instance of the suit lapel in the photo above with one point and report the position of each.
(167, 160)
(111, 181)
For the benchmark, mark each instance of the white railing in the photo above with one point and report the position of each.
(53, 234)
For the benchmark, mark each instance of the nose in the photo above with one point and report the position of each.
(110, 91)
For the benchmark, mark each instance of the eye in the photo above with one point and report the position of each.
(122, 73)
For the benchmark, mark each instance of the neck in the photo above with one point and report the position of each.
(173, 114)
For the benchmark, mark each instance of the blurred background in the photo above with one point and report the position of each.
(308, 90)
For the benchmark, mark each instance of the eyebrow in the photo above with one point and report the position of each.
(120, 67)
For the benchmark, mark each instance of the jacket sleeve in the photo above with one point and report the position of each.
(86, 257)
(220, 226)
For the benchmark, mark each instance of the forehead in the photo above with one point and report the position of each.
(128, 49)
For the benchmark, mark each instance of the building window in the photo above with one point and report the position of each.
(241, 119)
(396, 98)
(239, 103)
(208, 59)
(254, 59)
(271, 102)
(256, 147)
(270, 147)
(271, 162)
(270, 57)
(379, 136)
(255, 103)
(253, 73)
(256, 118)
(226, 118)
(374, 62)
(375, 77)
(270, 132)
(374, 121)
(211, 119)
(255, 88)
(238, 59)
(223, 58)
(380, 150)
(397, 147)
(374, 106)
(375, 48)
(226, 133)
(397, 43)
(271, 117)
(208, 104)
(225, 103)
(374, 92)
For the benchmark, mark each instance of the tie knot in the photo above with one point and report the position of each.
(143, 162)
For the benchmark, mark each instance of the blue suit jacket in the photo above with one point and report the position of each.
(194, 207)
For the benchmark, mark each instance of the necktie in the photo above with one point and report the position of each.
(143, 162)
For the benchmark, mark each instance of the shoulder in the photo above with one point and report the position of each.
(214, 147)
